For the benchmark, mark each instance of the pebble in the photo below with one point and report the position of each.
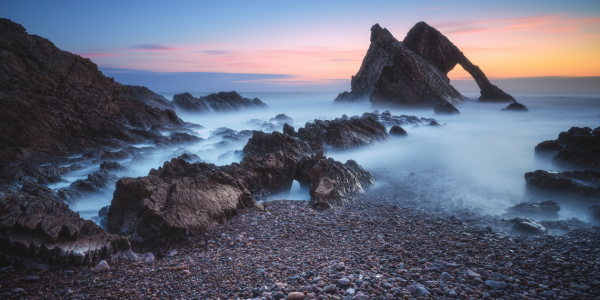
(295, 296)
(420, 291)
(445, 276)
(344, 281)
(472, 274)
(102, 266)
(32, 278)
(495, 284)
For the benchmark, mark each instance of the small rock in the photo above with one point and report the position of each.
(445, 276)
(278, 295)
(295, 296)
(495, 284)
(344, 281)
(330, 289)
(69, 272)
(102, 266)
(420, 291)
(472, 274)
(32, 278)
(350, 292)
(18, 290)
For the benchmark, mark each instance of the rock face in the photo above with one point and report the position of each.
(184, 198)
(432, 45)
(414, 71)
(342, 134)
(577, 148)
(147, 96)
(35, 225)
(52, 101)
(216, 103)
(263, 143)
(445, 108)
(585, 184)
(516, 106)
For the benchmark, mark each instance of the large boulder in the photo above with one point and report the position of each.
(584, 184)
(576, 148)
(516, 106)
(432, 45)
(342, 133)
(216, 103)
(263, 143)
(35, 225)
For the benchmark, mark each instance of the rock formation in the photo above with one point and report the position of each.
(53, 102)
(37, 226)
(516, 106)
(149, 97)
(576, 148)
(432, 45)
(216, 103)
(342, 134)
(414, 72)
(584, 184)
(535, 209)
(445, 108)
(398, 131)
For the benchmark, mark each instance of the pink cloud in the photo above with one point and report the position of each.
(155, 47)
(91, 55)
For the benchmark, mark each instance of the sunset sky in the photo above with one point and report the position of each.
(318, 45)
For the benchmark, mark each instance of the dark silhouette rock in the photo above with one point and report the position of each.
(398, 131)
(263, 143)
(516, 106)
(216, 103)
(111, 166)
(37, 226)
(342, 134)
(391, 74)
(584, 184)
(281, 119)
(190, 157)
(147, 96)
(576, 148)
(99, 182)
(432, 45)
(542, 208)
(289, 130)
(445, 108)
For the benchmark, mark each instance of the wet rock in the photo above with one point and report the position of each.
(445, 108)
(542, 208)
(216, 103)
(432, 45)
(178, 138)
(111, 166)
(97, 183)
(577, 148)
(102, 266)
(262, 143)
(527, 226)
(584, 184)
(398, 131)
(516, 106)
(35, 224)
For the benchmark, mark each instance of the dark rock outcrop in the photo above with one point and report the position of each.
(414, 71)
(216, 103)
(445, 108)
(585, 184)
(542, 208)
(342, 134)
(432, 45)
(53, 102)
(262, 143)
(576, 148)
(147, 96)
(33, 224)
(398, 131)
(516, 106)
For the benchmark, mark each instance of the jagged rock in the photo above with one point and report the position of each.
(102, 266)
(112, 156)
(527, 226)
(516, 106)
(581, 148)
(342, 134)
(535, 208)
(149, 97)
(445, 108)
(179, 138)
(263, 143)
(398, 131)
(392, 74)
(111, 166)
(331, 182)
(215, 103)
(96, 183)
(52, 101)
(578, 183)
(190, 157)
(432, 45)
(281, 119)
(34, 224)
(289, 130)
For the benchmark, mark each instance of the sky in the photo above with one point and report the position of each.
(177, 46)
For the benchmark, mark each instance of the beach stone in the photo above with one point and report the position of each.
(278, 295)
(420, 291)
(495, 284)
(445, 276)
(69, 272)
(330, 289)
(472, 274)
(410, 289)
(102, 266)
(496, 275)
(310, 296)
(452, 294)
(32, 278)
(344, 281)
(362, 297)
(295, 296)
(350, 292)
(18, 290)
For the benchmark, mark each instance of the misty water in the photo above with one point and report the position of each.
(476, 160)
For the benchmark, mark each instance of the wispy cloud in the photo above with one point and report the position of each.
(155, 47)
(553, 23)
(92, 55)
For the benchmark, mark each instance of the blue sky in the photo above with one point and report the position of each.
(315, 45)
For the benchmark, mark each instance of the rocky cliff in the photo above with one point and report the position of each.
(414, 72)
(216, 103)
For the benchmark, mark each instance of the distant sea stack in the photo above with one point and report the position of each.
(414, 72)
(215, 103)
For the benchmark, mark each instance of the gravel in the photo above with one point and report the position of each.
(367, 250)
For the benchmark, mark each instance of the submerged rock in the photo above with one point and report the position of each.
(584, 184)
(398, 131)
(342, 134)
(516, 106)
(527, 226)
(579, 148)
(216, 103)
(548, 148)
(535, 208)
